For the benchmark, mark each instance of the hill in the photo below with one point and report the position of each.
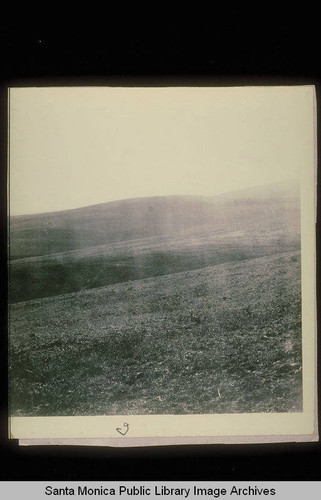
(63, 252)
(51, 233)
(221, 339)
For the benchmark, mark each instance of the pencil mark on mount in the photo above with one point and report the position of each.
(119, 429)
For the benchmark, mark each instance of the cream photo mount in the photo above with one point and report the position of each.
(146, 430)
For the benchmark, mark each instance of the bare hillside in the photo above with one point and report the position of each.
(222, 339)
(53, 254)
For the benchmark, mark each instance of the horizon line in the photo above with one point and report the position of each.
(222, 193)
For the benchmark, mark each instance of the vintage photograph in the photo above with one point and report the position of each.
(155, 250)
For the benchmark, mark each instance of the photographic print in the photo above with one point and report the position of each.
(157, 239)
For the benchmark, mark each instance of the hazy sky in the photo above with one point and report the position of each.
(72, 147)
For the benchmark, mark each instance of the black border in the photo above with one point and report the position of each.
(36, 55)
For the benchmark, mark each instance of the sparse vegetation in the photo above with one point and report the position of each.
(217, 340)
(161, 305)
(55, 254)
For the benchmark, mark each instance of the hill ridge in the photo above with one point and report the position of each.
(293, 183)
(129, 240)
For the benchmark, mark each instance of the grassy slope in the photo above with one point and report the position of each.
(51, 233)
(136, 239)
(91, 268)
(219, 339)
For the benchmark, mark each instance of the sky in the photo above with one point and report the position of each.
(77, 146)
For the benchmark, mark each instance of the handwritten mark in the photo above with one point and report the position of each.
(119, 429)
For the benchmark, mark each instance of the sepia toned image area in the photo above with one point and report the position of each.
(155, 252)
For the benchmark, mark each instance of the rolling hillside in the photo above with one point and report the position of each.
(53, 254)
(221, 339)
(51, 233)
(158, 305)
